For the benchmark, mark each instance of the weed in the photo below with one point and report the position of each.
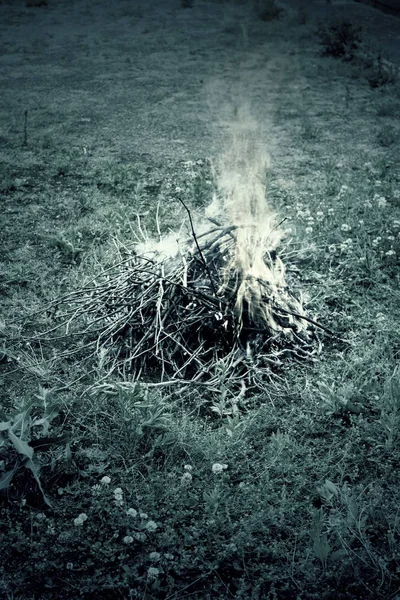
(387, 136)
(381, 73)
(19, 443)
(267, 10)
(340, 40)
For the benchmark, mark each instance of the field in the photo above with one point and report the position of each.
(278, 482)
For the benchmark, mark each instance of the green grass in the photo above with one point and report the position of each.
(141, 504)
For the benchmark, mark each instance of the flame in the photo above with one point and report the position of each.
(240, 175)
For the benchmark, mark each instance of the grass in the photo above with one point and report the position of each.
(122, 490)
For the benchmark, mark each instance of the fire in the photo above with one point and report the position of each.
(240, 177)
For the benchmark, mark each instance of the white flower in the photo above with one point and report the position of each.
(396, 224)
(188, 467)
(154, 556)
(118, 492)
(80, 519)
(390, 253)
(169, 556)
(128, 539)
(345, 227)
(378, 183)
(218, 468)
(309, 230)
(151, 526)
(143, 515)
(396, 193)
(331, 211)
(381, 201)
(186, 478)
(131, 512)
(152, 572)
(105, 480)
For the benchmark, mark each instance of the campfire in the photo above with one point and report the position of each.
(209, 297)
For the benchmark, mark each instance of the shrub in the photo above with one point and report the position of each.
(340, 40)
(267, 10)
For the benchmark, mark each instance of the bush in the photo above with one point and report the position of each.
(340, 40)
(267, 10)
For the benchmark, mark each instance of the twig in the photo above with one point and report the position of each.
(198, 247)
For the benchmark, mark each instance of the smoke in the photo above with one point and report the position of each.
(240, 173)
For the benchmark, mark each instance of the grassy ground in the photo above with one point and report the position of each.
(152, 494)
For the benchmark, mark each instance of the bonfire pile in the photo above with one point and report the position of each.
(179, 314)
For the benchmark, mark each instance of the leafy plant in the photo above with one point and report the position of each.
(19, 445)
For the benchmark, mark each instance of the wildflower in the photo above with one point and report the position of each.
(390, 253)
(396, 224)
(390, 238)
(96, 489)
(361, 222)
(367, 204)
(105, 480)
(378, 183)
(80, 519)
(309, 230)
(376, 241)
(143, 515)
(169, 556)
(188, 467)
(320, 213)
(128, 539)
(154, 556)
(118, 492)
(151, 526)
(380, 200)
(152, 572)
(218, 468)
(131, 512)
(345, 227)
(331, 211)
(186, 478)
(139, 536)
(396, 194)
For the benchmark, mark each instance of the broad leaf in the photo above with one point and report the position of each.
(29, 464)
(6, 478)
(21, 446)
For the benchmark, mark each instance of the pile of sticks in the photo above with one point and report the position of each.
(175, 319)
